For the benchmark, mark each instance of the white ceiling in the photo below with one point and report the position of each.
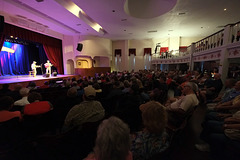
(201, 19)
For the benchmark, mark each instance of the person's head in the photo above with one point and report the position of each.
(5, 86)
(230, 83)
(217, 76)
(6, 102)
(113, 140)
(34, 62)
(34, 97)
(189, 88)
(237, 86)
(17, 87)
(89, 93)
(24, 92)
(72, 92)
(154, 117)
(48, 61)
(74, 83)
(162, 79)
(126, 84)
(46, 83)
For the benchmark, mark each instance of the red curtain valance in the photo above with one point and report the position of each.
(183, 49)
(132, 51)
(118, 52)
(163, 49)
(52, 46)
(147, 51)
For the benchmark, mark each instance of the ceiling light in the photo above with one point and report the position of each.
(181, 13)
(11, 36)
(123, 19)
(7, 49)
(152, 31)
(78, 24)
(124, 30)
(225, 9)
(78, 12)
(113, 10)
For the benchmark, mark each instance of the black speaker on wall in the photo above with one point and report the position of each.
(79, 47)
(1, 23)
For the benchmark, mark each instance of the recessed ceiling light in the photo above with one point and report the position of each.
(124, 30)
(123, 19)
(152, 31)
(130, 33)
(201, 27)
(113, 10)
(181, 13)
(78, 24)
(87, 29)
(225, 9)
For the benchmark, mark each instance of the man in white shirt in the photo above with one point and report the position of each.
(186, 102)
(24, 93)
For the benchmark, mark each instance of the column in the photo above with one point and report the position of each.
(224, 63)
(191, 62)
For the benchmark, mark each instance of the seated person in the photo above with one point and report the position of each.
(219, 135)
(87, 111)
(187, 101)
(113, 141)
(24, 93)
(36, 106)
(6, 103)
(213, 89)
(178, 110)
(153, 139)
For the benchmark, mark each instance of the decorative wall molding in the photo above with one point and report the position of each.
(234, 53)
(207, 57)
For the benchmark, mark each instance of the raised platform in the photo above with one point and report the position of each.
(25, 79)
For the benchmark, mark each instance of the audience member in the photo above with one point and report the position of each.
(36, 106)
(153, 139)
(6, 102)
(113, 141)
(24, 93)
(87, 111)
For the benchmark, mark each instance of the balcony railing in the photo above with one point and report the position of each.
(235, 32)
(172, 54)
(212, 41)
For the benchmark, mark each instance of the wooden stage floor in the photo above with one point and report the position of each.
(25, 79)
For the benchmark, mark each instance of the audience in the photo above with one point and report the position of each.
(126, 95)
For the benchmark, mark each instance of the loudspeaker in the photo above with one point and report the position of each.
(54, 74)
(79, 47)
(1, 23)
(46, 75)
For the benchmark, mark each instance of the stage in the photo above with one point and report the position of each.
(25, 79)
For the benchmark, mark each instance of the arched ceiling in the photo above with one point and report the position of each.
(186, 18)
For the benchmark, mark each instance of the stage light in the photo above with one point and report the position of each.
(7, 49)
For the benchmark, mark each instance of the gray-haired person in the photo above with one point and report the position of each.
(113, 141)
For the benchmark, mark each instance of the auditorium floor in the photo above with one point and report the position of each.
(185, 148)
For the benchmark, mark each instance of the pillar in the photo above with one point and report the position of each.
(191, 62)
(224, 63)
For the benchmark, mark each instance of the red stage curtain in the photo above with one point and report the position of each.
(132, 51)
(54, 54)
(118, 52)
(2, 38)
(147, 51)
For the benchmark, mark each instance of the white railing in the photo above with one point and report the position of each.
(235, 33)
(212, 41)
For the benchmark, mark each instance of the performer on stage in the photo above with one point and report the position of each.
(48, 66)
(34, 68)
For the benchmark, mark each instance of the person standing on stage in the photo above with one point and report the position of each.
(48, 66)
(34, 68)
